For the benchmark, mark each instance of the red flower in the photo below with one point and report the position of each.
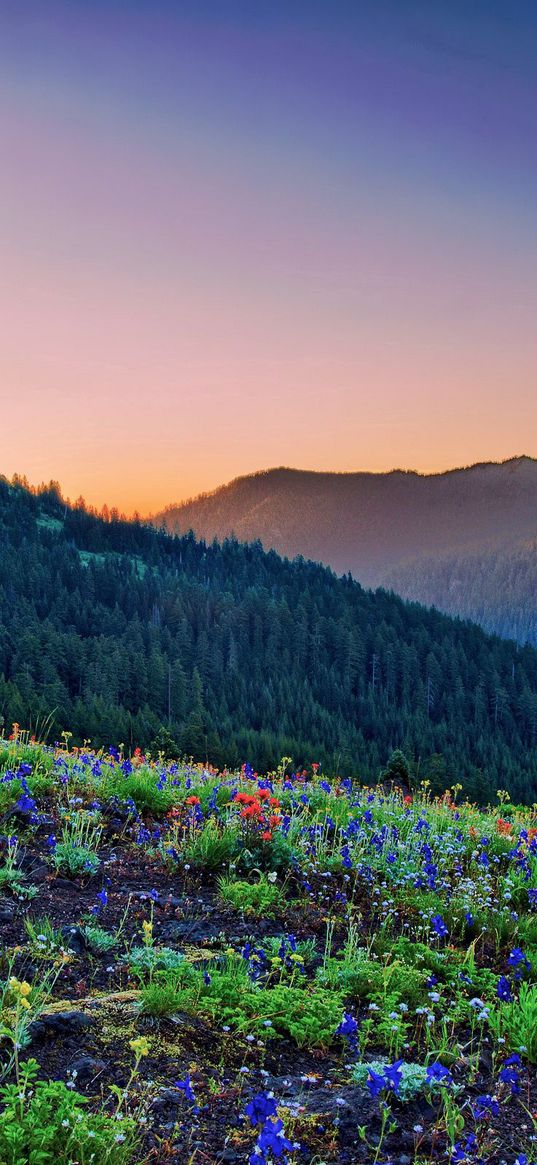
(192, 800)
(253, 810)
(266, 836)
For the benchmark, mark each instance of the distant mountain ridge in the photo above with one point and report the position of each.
(402, 529)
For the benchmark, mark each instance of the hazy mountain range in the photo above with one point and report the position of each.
(464, 541)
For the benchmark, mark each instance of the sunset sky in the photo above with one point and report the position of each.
(235, 235)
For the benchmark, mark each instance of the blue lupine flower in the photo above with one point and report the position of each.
(260, 1108)
(503, 990)
(393, 1075)
(439, 926)
(186, 1087)
(272, 1139)
(348, 1026)
(509, 1073)
(376, 1082)
(518, 959)
(437, 1074)
(485, 1106)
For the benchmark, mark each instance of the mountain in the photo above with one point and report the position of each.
(114, 630)
(497, 589)
(440, 538)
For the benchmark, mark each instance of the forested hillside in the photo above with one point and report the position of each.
(463, 540)
(119, 629)
(497, 589)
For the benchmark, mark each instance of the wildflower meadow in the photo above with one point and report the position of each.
(211, 966)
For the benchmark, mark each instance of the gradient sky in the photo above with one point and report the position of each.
(235, 235)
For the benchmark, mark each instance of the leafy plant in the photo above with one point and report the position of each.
(99, 940)
(516, 1021)
(44, 1123)
(76, 853)
(142, 961)
(260, 898)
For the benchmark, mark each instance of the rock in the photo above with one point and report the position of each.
(168, 1097)
(7, 911)
(59, 1024)
(190, 931)
(86, 1067)
(75, 939)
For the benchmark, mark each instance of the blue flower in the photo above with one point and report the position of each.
(437, 1074)
(393, 1075)
(186, 1087)
(518, 959)
(376, 1082)
(503, 990)
(485, 1106)
(438, 925)
(260, 1108)
(273, 1140)
(348, 1026)
(509, 1073)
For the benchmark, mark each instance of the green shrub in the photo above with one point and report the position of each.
(44, 1123)
(260, 898)
(76, 853)
(142, 961)
(516, 1022)
(211, 847)
(99, 941)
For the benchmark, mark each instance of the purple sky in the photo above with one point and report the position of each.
(242, 235)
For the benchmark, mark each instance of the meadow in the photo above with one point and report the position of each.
(207, 967)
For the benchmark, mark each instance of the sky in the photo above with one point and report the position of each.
(236, 235)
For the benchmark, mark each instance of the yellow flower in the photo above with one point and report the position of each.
(24, 989)
(140, 1046)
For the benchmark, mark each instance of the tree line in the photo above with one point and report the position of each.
(119, 632)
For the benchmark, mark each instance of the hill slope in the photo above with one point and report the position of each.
(121, 628)
(400, 529)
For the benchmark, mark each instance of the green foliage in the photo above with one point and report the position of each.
(309, 1015)
(209, 848)
(44, 1122)
(516, 1022)
(261, 899)
(76, 852)
(366, 978)
(142, 961)
(99, 940)
(45, 940)
(141, 787)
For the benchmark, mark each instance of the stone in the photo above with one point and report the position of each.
(60, 1024)
(86, 1067)
(75, 939)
